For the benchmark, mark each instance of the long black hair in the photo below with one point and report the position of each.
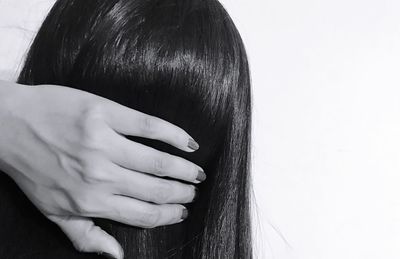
(180, 60)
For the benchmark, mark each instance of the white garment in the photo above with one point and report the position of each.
(19, 22)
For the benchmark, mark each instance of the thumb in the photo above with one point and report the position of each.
(87, 237)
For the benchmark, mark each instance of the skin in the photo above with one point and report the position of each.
(66, 150)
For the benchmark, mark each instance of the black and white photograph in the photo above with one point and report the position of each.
(199, 129)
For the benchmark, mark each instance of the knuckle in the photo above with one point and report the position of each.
(150, 218)
(162, 192)
(85, 241)
(91, 127)
(147, 126)
(160, 164)
(93, 139)
(94, 111)
(92, 174)
(80, 245)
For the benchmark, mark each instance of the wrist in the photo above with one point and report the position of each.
(11, 96)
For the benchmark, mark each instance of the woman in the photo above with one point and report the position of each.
(179, 60)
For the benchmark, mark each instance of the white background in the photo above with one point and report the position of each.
(326, 91)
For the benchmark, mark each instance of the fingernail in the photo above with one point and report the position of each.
(193, 144)
(201, 176)
(185, 214)
(196, 194)
(107, 255)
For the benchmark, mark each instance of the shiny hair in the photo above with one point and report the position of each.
(180, 60)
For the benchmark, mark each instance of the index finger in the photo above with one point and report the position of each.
(130, 122)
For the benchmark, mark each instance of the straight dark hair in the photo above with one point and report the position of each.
(182, 61)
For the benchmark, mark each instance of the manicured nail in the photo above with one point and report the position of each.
(193, 144)
(201, 176)
(185, 214)
(196, 194)
(107, 255)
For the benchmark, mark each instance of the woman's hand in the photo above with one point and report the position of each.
(66, 151)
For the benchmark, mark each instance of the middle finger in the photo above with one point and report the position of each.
(138, 157)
